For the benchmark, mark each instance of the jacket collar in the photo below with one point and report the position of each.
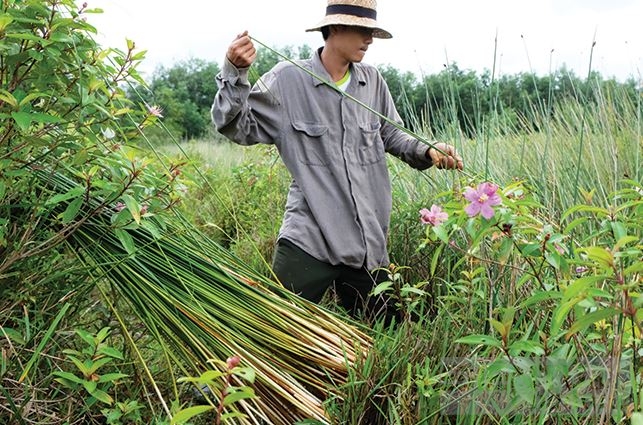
(357, 73)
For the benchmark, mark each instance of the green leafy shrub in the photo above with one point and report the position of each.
(544, 323)
(65, 156)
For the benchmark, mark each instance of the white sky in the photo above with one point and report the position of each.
(426, 34)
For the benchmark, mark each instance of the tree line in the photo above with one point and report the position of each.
(451, 97)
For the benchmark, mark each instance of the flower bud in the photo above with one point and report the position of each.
(233, 362)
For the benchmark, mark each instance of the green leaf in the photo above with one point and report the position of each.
(110, 377)
(242, 394)
(437, 256)
(68, 377)
(412, 290)
(126, 240)
(530, 250)
(61, 197)
(508, 317)
(499, 327)
(26, 37)
(637, 418)
(574, 293)
(81, 366)
(442, 233)
(571, 398)
(98, 363)
(589, 319)
(247, 373)
(207, 377)
(45, 118)
(505, 250)
(13, 335)
(526, 346)
(554, 259)
(618, 229)
(524, 386)
(382, 287)
(580, 285)
(232, 415)
(539, 297)
(7, 97)
(22, 119)
(637, 267)
(90, 386)
(501, 364)
(599, 212)
(600, 255)
(102, 334)
(151, 227)
(102, 396)
(5, 19)
(184, 415)
(133, 207)
(111, 352)
(87, 337)
(624, 241)
(480, 339)
(71, 211)
(571, 226)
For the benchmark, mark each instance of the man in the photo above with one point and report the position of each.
(337, 213)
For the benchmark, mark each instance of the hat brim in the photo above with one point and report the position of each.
(351, 20)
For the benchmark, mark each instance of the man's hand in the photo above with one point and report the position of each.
(445, 156)
(242, 52)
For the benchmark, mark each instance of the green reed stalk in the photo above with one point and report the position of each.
(582, 129)
(638, 128)
(493, 106)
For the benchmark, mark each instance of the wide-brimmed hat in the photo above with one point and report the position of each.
(359, 13)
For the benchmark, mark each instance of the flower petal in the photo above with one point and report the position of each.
(471, 195)
(486, 211)
(472, 209)
(424, 216)
(494, 200)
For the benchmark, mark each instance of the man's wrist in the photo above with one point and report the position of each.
(232, 72)
(427, 153)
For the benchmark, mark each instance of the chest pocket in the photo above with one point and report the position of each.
(312, 143)
(371, 148)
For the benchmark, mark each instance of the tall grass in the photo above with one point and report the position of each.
(543, 155)
(416, 373)
(544, 149)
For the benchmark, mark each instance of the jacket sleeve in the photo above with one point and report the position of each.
(246, 115)
(396, 141)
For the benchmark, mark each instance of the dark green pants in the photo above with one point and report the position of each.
(311, 278)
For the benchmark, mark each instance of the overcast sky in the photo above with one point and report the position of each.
(532, 35)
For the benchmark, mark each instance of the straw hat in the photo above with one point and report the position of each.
(360, 13)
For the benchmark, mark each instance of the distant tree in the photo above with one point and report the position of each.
(184, 92)
(269, 57)
(451, 99)
(402, 87)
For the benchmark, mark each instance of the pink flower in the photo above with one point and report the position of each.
(482, 199)
(581, 269)
(119, 206)
(155, 110)
(435, 216)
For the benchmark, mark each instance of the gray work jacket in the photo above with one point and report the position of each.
(339, 203)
